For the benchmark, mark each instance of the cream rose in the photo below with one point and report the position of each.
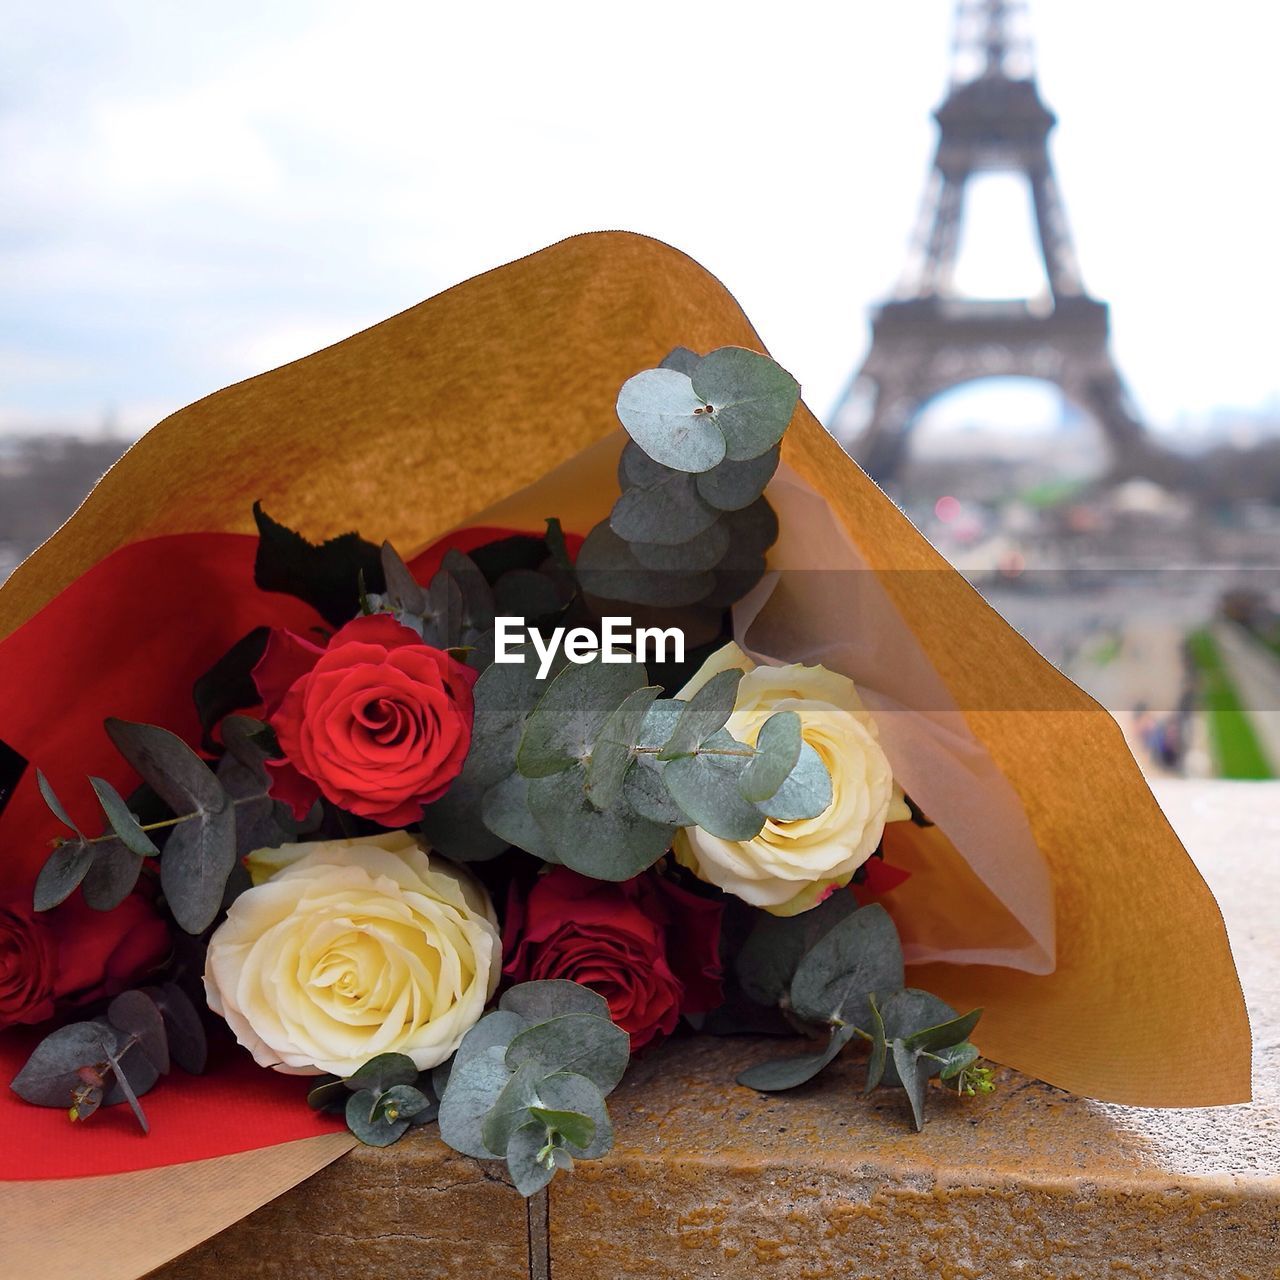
(790, 866)
(345, 949)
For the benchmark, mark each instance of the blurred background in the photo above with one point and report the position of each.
(1054, 347)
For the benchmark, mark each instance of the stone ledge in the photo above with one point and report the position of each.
(709, 1179)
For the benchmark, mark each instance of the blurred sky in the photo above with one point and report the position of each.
(193, 194)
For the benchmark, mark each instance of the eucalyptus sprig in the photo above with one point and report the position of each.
(841, 967)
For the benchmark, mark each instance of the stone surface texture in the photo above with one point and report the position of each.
(712, 1180)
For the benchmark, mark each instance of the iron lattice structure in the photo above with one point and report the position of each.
(928, 339)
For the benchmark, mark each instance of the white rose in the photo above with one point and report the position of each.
(791, 866)
(345, 949)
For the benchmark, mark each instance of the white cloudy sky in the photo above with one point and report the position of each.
(192, 194)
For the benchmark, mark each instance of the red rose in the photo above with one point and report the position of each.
(651, 948)
(73, 955)
(377, 722)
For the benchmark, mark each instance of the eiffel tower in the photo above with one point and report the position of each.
(927, 338)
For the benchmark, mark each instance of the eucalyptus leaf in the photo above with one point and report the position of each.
(544, 999)
(955, 1058)
(787, 1073)
(128, 1086)
(667, 418)
(614, 750)
(443, 610)
(914, 1076)
(529, 1171)
(945, 1035)
(612, 844)
(697, 554)
(768, 958)
(607, 568)
(403, 1102)
(511, 1110)
(454, 824)
(681, 358)
(752, 531)
(188, 1044)
(579, 1043)
(777, 754)
(498, 1027)
(805, 792)
(645, 793)
(907, 1012)
(879, 1047)
(329, 1094)
(473, 1088)
(50, 798)
(366, 1120)
(51, 1073)
(706, 787)
(752, 397)
(123, 823)
(524, 593)
(404, 592)
(477, 595)
(569, 1092)
(667, 513)
(134, 1013)
(636, 470)
(506, 813)
(572, 1126)
(734, 485)
(113, 876)
(62, 873)
(384, 1072)
(704, 714)
(858, 957)
(563, 727)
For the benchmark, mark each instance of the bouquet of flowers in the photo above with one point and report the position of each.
(658, 731)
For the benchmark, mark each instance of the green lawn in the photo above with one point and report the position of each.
(1236, 749)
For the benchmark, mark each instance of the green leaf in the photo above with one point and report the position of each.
(403, 591)
(200, 853)
(366, 1120)
(574, 1127)
(858, 957)
(562, 729)
(945, 1035)
(767, 961)
(879, 1047)
(574, 1042)
(134, 1013)
(61, 874)
(128, 1086)
(384, 1072)
(548, 998)
(666, 513)
(607, 568)
(529, 1169)
(51, 1072)
(753, 399)
(706, 787)
(777, 754)
(908, 1011)
(805, 792)
(704, 714)
(477, 595)
(403, 1102)
(474, 1086)
(330, 1094)
(636, 470)
(614, 750)
(681, 358)
(752, 531)
(696, 555)
(613, 844)
(955, 1058)
(327, 576)
(51, 799)
(505, 811)
(569, 1092)
(512, 1108)
(664, 415)
(123, 823)
(734, 485)
(645, 792)
(112, 876)
(188, 1045)
(787, 1073)
(914, 1077)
